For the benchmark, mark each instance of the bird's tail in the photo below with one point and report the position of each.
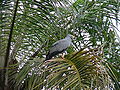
(48, 57)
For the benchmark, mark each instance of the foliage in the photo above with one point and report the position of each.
(38, 24)
(82, 69)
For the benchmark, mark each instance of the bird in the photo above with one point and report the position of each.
(59, 46)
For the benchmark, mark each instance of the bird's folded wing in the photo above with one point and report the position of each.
(58, 42)
(58, 46)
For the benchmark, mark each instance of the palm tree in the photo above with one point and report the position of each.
(28, 29)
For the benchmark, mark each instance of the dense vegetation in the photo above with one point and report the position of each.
(29, 27)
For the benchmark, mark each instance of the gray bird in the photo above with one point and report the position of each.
(59, 46)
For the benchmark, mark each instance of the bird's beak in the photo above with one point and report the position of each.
(72, 36)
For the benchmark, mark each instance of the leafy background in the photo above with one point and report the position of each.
(93, 62)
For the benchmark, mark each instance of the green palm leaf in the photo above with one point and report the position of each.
(39, 24)
(77, 71)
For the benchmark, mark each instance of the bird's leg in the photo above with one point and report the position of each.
(62, 56)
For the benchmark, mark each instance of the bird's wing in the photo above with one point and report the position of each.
(58, 42)
(58, 46)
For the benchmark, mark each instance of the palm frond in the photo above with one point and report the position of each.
(41, 23)
(77, 70)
